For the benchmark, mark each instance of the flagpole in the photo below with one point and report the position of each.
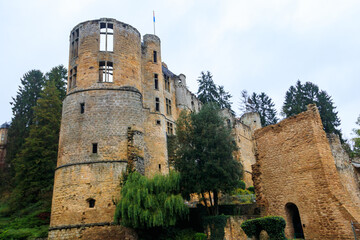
(154, 20)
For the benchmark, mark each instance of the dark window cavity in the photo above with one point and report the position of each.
(157, 104)
(106, 36)
(167, 83)
(94, 148)
(155, 56)
(106, 71)
(82, 107)
(156, 81)
(91, 202)
(158, 122)
(159, 167)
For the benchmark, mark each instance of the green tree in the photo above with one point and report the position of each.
(204, 156)
(148, 203)
(35, 164)
(300, 95)
(356, 148)
(58, 74)
(209, 92)
(23, 112)
(260, 103)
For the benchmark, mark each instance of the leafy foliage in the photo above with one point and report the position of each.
(299, 96)
(148, 203)
(209, 92)
(356, 149)
(204, 156)
(216, 225)
(260, 103)
(274, 226)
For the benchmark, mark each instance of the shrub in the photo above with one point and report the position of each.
(242, 185)
(274, 226)
(200, 236)
(217, 225)
(251, 189)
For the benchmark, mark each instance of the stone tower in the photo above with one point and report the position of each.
(3, 141)
(120, 105)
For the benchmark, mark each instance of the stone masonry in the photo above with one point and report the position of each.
(3, 141)
(295, 167)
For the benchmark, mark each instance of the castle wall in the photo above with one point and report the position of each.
(348, 174)
(3, 142)
(295, 165)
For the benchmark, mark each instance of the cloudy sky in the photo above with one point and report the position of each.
(258, 45)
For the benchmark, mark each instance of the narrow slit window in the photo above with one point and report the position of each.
(91, 202)
(106, 37)
(106, 71)
(82, 108)
(159, 167)
(94, 148)
(155, 56)
(156, 81)
(157, 104)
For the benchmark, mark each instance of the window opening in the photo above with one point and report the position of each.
(106, 36)
(2, 137)
(82, 107)
(169, 128)
(91, 202)
(168, 106)
(158, 122)
(74, 43)
(72, 77)
(156, 81)
(155, 56)
(106, 71)
(167, 83)
(95, 148)
(228, 123)
(157, 104)
(159, 167)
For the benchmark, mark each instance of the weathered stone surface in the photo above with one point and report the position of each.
(3, 142)
(295, 165)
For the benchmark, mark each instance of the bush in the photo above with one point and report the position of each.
(274, 226)
(200, 236)
(217, 225)
(251, 189)
(242, 185)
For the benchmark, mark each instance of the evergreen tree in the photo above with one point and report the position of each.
(58, 74)
(23, 112)
(35, 164)
(207, 92)
(204, 156)
(300, 95)
(149, 203)
(260, 103)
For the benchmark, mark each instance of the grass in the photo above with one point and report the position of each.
(25, 224)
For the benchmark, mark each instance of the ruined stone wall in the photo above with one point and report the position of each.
(295, 165)
(347, 172)
(3, 142)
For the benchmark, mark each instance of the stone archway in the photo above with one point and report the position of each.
(294, 221)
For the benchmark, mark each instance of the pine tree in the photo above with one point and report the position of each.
(58, 74)
(23, 112)
(35, 164)
(260, 103)
(204, 156)
(207, 92)
(297, 98)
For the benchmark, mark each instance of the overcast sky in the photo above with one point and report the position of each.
(258, 45)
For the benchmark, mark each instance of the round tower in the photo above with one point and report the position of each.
(102, 127)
